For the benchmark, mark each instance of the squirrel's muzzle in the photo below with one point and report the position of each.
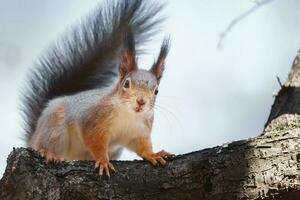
(140, 101)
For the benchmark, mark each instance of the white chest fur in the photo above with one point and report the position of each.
(127, 126)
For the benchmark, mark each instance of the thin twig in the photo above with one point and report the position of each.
(235, 21)
(279, 81)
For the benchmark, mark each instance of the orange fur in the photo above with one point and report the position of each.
(97, 143)
(143, 147)
(96, 136)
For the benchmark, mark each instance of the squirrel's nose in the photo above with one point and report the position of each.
(140, 101)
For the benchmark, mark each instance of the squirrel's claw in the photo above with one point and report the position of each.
(155, 159)
(164, 154)
(158, 157)
(161, 160)
(52, 157)
(152, 160)
(112, 168)
(49, 156)
(106, 170)
(104, 167)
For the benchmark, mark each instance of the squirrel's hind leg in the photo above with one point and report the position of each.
(50, 138)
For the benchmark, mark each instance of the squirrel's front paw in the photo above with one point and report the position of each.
(104, 166)
(164, 154)
(158, 157)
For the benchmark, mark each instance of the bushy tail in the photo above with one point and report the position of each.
(87, 56)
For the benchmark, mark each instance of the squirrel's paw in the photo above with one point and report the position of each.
(158, 157)
(49, 156)
(104, 166)
(164, 154)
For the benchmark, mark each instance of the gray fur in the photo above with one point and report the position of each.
(144, 77)
(44, 130)
(75, 108)
(79, 104)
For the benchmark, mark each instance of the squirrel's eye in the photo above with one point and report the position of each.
(126, 84)
(156, 92)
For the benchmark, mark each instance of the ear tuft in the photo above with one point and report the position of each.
(159, 66)
(128, 63)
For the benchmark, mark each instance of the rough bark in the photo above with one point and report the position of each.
(265, 167)
(287, 99)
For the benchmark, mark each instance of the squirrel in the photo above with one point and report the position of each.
(87, 99)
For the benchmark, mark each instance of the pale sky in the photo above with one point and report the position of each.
(210, 96)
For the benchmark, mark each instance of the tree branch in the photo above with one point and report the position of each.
(265, 167)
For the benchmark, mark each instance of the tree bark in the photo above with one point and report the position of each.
(265, 167)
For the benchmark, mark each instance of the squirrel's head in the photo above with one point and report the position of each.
(138, 88)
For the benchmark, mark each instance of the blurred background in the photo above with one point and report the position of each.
(213, 92)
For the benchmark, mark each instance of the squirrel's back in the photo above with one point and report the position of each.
(87, 56)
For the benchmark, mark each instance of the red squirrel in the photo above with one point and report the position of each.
(87, 99)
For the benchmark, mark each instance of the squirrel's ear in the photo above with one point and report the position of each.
(128, 63)
(159, 66)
